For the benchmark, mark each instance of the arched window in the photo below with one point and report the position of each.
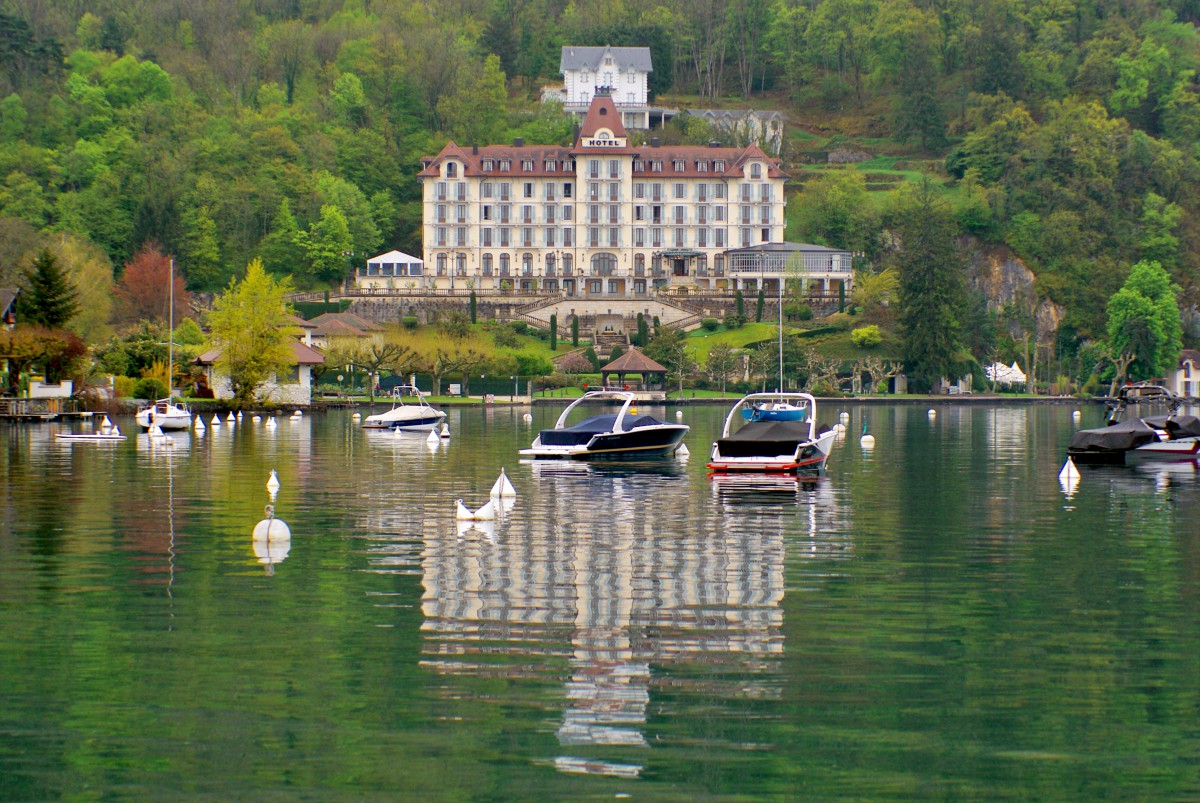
(441, 264)
(504, 264)
(755, 170)
(550, 264)
(604, 264)
(568, 264)
(451, 170)
(460, 264)
(639, 265)
(487, 264)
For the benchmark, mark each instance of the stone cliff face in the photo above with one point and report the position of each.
(1006, 282)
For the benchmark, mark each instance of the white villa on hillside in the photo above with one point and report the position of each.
(622, 72)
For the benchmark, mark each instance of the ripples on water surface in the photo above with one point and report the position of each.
(932, 618)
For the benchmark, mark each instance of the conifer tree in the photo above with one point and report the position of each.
(48, 297)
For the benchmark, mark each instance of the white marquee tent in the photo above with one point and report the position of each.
(1003, 374)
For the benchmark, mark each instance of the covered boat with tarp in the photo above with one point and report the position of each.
(1127, 438)
(772, 445)
(625, 433)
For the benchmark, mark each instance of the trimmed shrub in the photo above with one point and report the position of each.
(710, 324)
(409, 322)
(866, 337)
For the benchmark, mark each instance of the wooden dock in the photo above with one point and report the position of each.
(39, 409)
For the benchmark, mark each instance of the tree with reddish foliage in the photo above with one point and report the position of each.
(143, 294)
(57, 352)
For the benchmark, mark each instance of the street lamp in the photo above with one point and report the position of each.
(516, 382)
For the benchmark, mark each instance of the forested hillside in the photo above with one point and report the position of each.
(291, 129)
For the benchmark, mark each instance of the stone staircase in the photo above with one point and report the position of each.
(604, 342)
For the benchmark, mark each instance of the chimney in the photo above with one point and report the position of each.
(576, 130)
(712, 143)
(519, 142)
(475, 149)
(654, 142)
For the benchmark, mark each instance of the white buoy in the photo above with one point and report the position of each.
(868, 440)
(485, 513)
(273, 482)
(679, 413)
(256, 418)
(932, 413)
(433, 437)
(297, 414)
(1069, 469)
(844, 417)
(397, 433)
(528, 417)
(115, 431)
(239, 415)
(839, 428)
(271, 424)
(682, 451)
(1068, 478)
(105, 424)
(271, 528)
(200, 424)
(1076, 415)
(216, 422)
(445, 433)
(229, 418)
(502, 487)
(356, 417)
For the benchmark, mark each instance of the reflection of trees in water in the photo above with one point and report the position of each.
(619, 572)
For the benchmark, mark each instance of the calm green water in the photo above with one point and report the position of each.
(932, 619)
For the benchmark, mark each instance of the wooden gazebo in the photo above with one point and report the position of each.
(634, 362)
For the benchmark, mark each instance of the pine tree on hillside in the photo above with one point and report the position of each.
(48, 297)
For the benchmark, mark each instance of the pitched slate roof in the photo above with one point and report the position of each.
(633, 362)
(576, 58)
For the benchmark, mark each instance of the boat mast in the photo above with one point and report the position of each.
(781, 274)
(171, 330)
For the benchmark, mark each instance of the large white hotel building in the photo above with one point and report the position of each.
(602, 218)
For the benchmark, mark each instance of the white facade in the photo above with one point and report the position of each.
(621, 72)
(600, 219)
(1185, 380)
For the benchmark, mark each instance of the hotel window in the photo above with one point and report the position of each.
(526, 214)
(504, 188)
(745, 215)
(702, 238)
(568, 238)
(718, 238)
(719, 165)
(550, 190)
(487, 264)
(593, 237)
(639, 238)
(680, 190)
(593, 214)
(504, 233)
(702, 215)
(550, 237)
(764, 193)
(614, 238)
(614, 215)
(441, 213)
(719, 191)
(614, 193)
(486, 212)
(460, 236)
(568, 213)
(505, 260)
(701, 192)
(639, 213)
(701, 166)
(766, 235)
(680, 216)
(656, 165)
(527, 165)
(568, 264)
(719, 214)
(656, 238)
(488, 165)
(451, 170)
(460, 264)
(441, 264)
(680, 239)
(656, 214)
(639, 190)
(441, 236)
(719, 264)
(765, 216)
(550, 165)
(460, 213)
(548, 212)
(746, 238)
(485, 238)
(614, 168)
(505, 165)
(639, 165)
(593, 191)
(440, 190)
(755, 170)
(460, 191)
(527, 264)
(505, 210)
(527, 238)
(528, 189)
(485, 189)
(593, 168)
(679, 165)
(746, 197)
(567, 190)
(656, 192)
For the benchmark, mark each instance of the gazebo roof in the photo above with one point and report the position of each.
(633, 362)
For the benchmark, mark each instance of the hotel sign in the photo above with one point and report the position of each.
(604, 139)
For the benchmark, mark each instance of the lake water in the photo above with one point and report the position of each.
(932, 619)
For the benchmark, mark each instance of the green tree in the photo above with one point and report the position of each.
(47, 296)
(758, 309)
(474, 111)
(327, 244)
(201, 250)
(554, 332)
(932, 286)
(1144, 321)
(474, 307)
(574, 331)
(282, 250)
(1160, 219)
(723, 362)
(250, 324)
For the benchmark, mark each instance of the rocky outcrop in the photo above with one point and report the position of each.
(1008, 284)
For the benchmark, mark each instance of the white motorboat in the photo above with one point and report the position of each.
(1129, 438)
(414, 414)
(769, 444)
(621, 434)
(166, 413)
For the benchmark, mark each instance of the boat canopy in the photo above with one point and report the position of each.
(765, 437)
(1176, 426)
(583, 431)
(1120, 437)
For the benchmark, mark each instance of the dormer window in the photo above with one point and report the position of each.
(527, 165)
(551, 165)
(680, 165)
(505, 165)
(701, 166)
(489, 165)
(719, 165)
(639, 165)
(755, 170)
(656, 166)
